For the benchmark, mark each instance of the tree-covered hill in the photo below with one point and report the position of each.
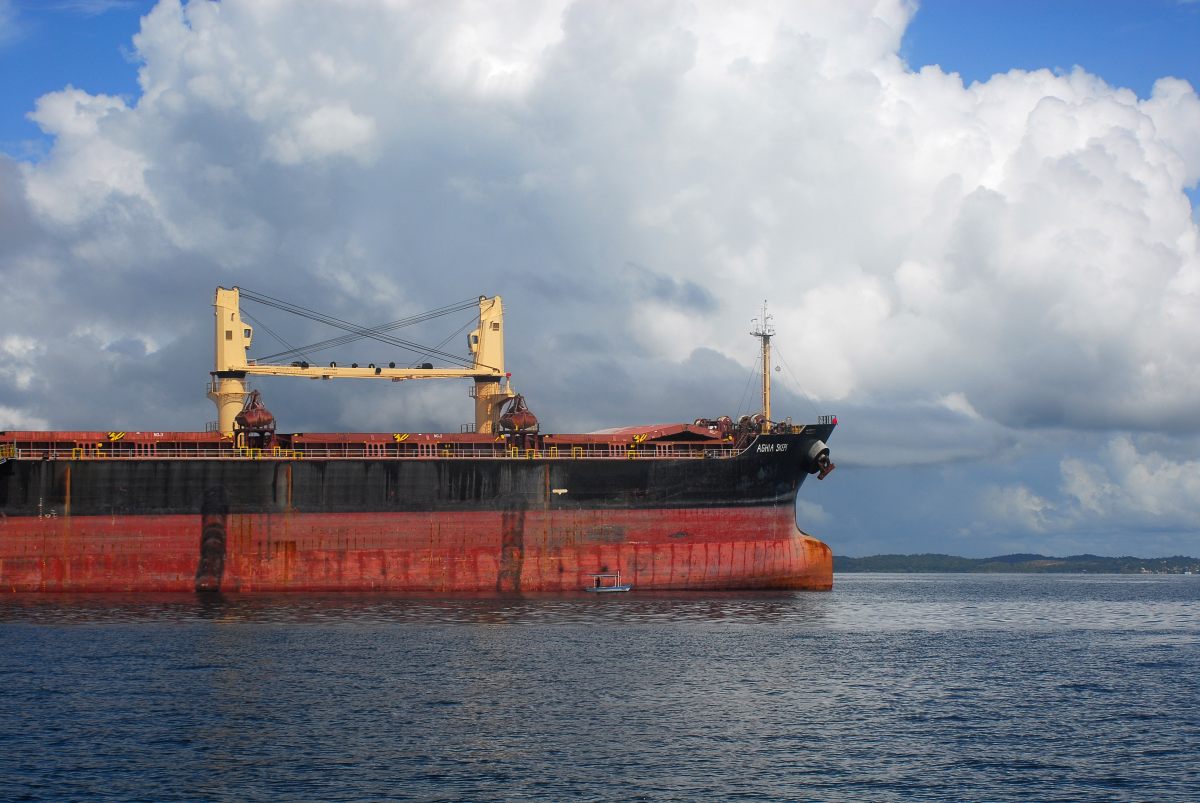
(1091, 564)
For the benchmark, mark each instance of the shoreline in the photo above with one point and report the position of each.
(1016, 564)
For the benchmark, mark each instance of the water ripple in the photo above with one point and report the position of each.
(891, 687)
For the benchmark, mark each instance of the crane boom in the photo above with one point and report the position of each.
(232, 365)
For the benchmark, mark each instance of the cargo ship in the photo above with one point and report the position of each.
(499, 507)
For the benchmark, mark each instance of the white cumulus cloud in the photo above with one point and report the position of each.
(1010, 255)
(1129, 484)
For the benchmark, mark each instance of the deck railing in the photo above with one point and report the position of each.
(382, 451)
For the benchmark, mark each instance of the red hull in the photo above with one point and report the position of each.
(709, 548)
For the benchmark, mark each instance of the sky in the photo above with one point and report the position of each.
(975, 225)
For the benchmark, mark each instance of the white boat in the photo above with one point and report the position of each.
(607, 583)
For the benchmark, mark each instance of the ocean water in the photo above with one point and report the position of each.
(924, 687)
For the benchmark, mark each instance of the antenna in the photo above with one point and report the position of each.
(763, 330)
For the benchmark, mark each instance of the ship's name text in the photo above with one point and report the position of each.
(772, 447)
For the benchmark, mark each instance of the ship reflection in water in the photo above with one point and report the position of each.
(409, 609)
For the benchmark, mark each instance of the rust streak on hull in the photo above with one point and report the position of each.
(514, 550)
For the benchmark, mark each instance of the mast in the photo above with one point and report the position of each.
(763, 330)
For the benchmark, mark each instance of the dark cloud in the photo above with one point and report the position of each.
(680, 293)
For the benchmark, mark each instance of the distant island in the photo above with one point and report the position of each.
(1021, 563)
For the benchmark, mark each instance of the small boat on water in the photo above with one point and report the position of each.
(607, 583)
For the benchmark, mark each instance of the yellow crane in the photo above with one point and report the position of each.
(233, 365)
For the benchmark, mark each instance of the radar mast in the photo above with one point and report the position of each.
(764, 329)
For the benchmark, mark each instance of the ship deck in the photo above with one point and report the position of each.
(658, 442)
(349, 451)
